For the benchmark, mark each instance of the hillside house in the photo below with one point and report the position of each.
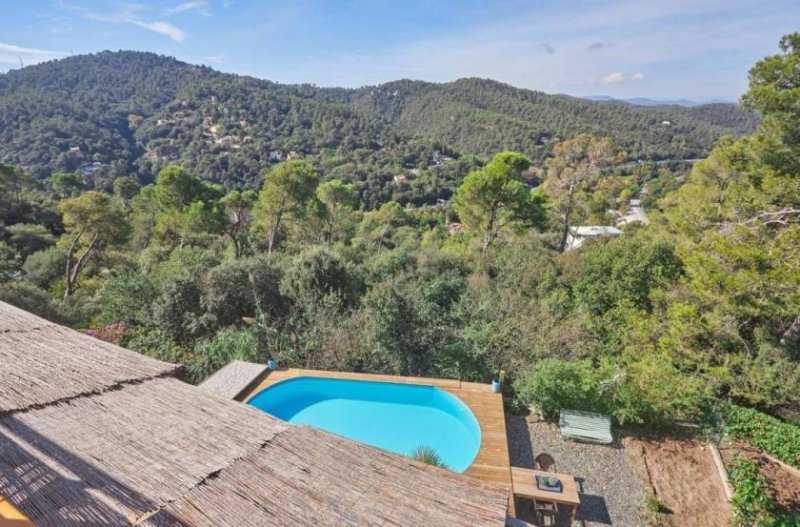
(579, 235)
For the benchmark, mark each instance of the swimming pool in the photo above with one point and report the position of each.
(394, 417)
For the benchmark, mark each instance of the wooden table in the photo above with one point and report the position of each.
(523, 481)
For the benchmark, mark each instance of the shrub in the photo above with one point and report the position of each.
(156, 343)
(317, 273)
(428, 455)
(178, 310)
(644, 390)
(127, 298)
(27, 296)
(43, 267)
(225, 346)
(9, 262)
(555, 384)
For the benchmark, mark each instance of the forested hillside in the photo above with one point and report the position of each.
(117, 114)
(660, 324)
(483, 116)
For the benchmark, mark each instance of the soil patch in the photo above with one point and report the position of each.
(680, 474)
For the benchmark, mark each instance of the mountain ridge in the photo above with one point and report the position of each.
(133, 112)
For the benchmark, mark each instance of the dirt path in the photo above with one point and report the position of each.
(682, 475)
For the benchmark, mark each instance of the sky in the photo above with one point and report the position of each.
(620, 48)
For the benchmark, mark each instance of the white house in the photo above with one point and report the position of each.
(578, 235)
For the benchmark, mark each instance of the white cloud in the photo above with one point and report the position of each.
(200, 5)
(163, 28)
(613, 78)
(217, 58)
(136, 15)
(12, 54)
(638, 76)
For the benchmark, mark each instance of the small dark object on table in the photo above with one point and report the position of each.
(549, 483)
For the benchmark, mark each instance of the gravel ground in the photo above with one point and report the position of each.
(611, 492)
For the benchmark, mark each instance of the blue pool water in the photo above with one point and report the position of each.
(394, 417)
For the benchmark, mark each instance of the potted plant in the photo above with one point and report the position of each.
(272, 363)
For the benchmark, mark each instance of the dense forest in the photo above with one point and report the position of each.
(130, 114)
(657, 325)
(482, 116)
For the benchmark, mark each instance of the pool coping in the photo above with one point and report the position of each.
(492, 463)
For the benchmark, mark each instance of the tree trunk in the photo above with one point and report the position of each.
(565, 229)
(490, 232)
(68, 290)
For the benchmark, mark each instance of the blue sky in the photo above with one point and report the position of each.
(621, 48)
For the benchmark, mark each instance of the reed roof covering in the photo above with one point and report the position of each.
(123, 443)
(43, 362)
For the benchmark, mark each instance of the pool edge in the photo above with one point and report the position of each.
(492, 463)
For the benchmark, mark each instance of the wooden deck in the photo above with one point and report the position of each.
(492, 462)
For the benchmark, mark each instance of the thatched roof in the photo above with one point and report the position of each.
(43, 362)
(119, 448)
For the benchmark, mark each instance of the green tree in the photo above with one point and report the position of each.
(66, 184)
(127, 298)
(188, 210)
(179, 312)
(573, 170)
(27, 238)
(379, 227)
(239, 212)
(338, 198)
(317, 273)
(92, 224)
(775, 93)
(13, 181)
(9, 262)
(143, 217)
(287, 192)
(495, 197)
(44, 267)
(125, 189)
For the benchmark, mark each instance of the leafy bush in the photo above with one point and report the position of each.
(127, 298)
(43, 267)
(645, 390)
(225, 346)
(158, 344)
(27, 296)
(765, 432)
(178, 310)
(9, 262)
(555, 384)
(317, 273)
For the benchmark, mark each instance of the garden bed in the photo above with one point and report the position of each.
(680, 474)
(785, 487)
